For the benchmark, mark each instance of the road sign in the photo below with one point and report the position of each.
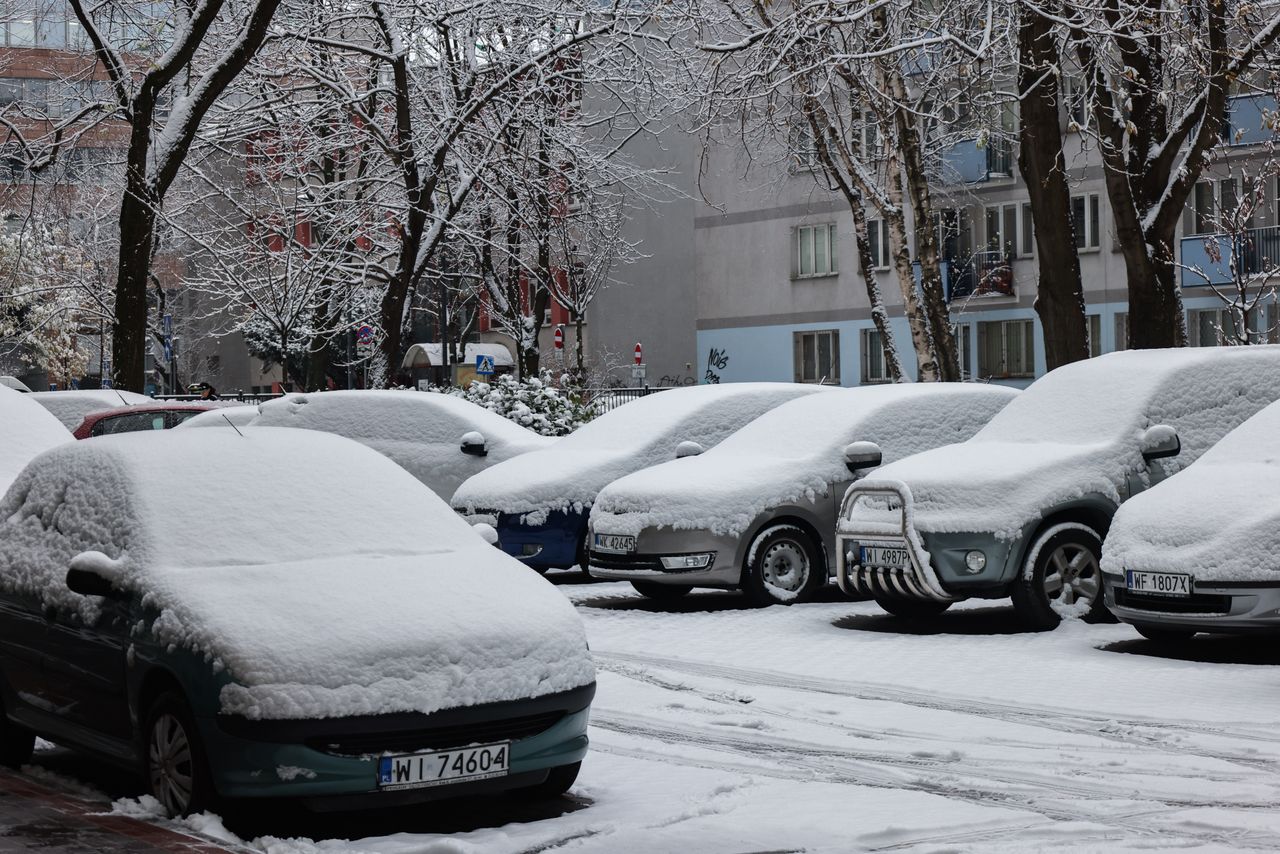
(484, 365)
(106, 381)
(168, 348)
(167, 322)
(639, 354)
(559, 337)
(638, 371)
(364, 334)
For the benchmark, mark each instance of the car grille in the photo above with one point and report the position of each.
(436, 738)
(615, 561)
(1198, 603)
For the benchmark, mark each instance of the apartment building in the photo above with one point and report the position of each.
(780, 295)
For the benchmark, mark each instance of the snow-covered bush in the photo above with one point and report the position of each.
(535, 403)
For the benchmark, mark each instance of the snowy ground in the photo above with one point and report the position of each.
(832, 727)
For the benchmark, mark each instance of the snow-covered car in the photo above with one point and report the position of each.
(540, 502)
(26, 430)
(758, 511)
(15, 384)
(225, 416)
(440, 439)
(232, 640)
(156, 415)
(71, 406)
(1200, 552)
(1022, 508)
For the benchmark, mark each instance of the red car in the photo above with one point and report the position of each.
(130, 419)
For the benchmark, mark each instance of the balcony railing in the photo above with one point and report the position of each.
(984, 274)
(970, 162)
(1206, 258)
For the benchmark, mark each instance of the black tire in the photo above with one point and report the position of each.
(1074, 550)
(911, 609)
(168, 719)
(559, 781)
(784, 566)
(661, 592)
(17, 743)
(1160, 634)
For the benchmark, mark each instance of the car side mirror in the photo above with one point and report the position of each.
(87, 582)
(1160, 441)
(862, 455)
(487, 532)
(474, 445)
(688, 449)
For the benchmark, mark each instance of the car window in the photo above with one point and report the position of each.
(178, 416)
(130, 422)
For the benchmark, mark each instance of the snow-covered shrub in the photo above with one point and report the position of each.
(535, 403)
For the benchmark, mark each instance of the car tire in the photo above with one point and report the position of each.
(175, 762)
(784, 566)
(1160, 634)
(559, 780)
(662, 592)
(17, 743)
(911, 609)
(1062, 571)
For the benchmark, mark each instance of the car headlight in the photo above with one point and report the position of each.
(695, 561)
(975, 561)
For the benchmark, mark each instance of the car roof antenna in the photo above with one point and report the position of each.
(232, 423)
(121, 396)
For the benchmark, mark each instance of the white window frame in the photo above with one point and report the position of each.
(1008, 246)
(1026, 231)
(1092, 219)
(832, 377)
(1027, 368)
(1122, 330)
(825, 232)
(878, 237)
(1221, 317)
(1094, 322)
(871, 340)
(1074, 97)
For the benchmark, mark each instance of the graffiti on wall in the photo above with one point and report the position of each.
(717, 360)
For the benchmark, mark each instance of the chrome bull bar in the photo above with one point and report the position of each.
(916, 581)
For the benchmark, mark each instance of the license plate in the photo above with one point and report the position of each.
(420, 770)
(1158, 583)
(614, 543)
(885, 556)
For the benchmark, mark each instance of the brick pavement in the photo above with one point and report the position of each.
(36, 817)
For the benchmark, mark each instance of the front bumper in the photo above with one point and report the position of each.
(1231, 608)
(333, 764)
(645, 564)
(552, 545)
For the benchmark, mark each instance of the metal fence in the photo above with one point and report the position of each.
(603, 400)
(237, 396)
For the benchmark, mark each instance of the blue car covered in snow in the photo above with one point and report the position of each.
(540, 501)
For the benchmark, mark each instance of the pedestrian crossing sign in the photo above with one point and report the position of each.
(484, 365)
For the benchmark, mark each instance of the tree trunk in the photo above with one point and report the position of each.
(129, 327)
(926, 355)
(879, 316)
(1060, 294)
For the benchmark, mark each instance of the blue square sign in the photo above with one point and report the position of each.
(484, 365)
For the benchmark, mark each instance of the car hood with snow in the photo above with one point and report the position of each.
(354, 591)
(26, 430)
(226, 416)
(793, 452)
(420, 431)
(634, 436)
(1218, 519)
(70, 407)
(1077, 431)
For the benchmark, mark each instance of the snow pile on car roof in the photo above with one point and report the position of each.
(793, 452)
(70, 407)
(227, 416)
(420, 431)
(642, 433)
(26, 430)
(1218, 519)
(321, 576)
(1075, 432)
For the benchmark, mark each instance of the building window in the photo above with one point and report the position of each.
(817, 357)
(1095, 335)
(814, 250)
(1006, 348)
(1122, 330)
(1210, 202)
(875, 367)
(1086, 219)
(878, 237)
(1075, 94)
(964, 348)
(1028, 247)
(1002, 229)
(804, 150)
(1212, 327)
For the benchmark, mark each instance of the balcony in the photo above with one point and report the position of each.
(985, 274)
(970, 161)
(1209, 256)
(1247, 122)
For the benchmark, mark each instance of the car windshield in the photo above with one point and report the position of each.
(810, 426)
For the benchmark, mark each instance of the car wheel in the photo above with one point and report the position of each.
(16, 743)
(661, 591)
(558, 781)
(784, 566)
(1062, 577)
(1163, 635)
(176, 767)
(911, 609)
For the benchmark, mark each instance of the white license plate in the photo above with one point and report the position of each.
(419, 770)
(1158, 583)
(614, 543)
(885, 556)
